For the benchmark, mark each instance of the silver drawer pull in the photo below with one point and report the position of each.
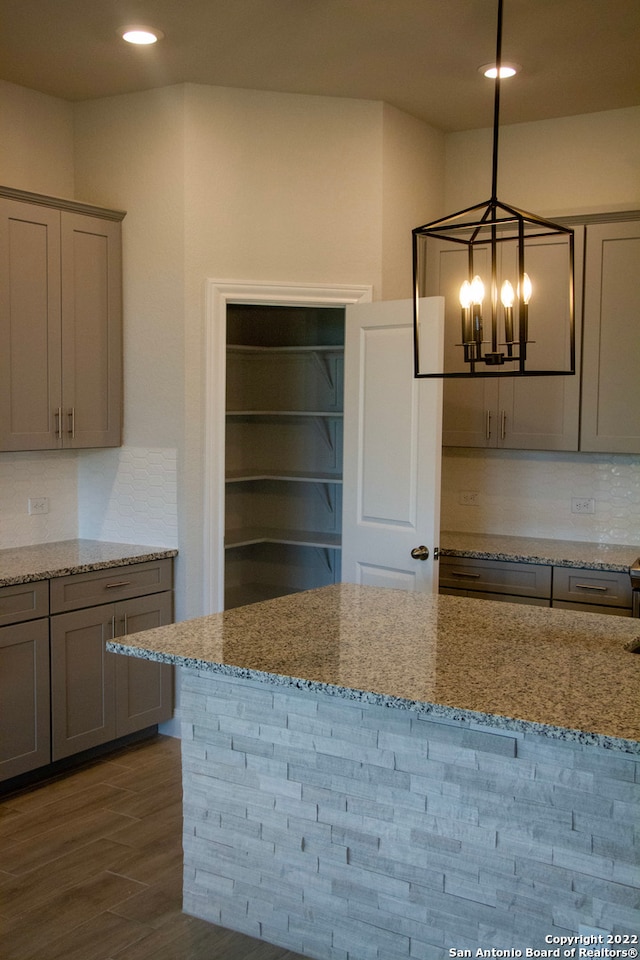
(463, 573)
(589, 586)
(117, 583)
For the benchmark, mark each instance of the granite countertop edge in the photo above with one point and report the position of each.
(533, 558)
(616, 558)
(64, 558)
(438, 711)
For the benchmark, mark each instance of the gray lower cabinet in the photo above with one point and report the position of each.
(594, 591)
(496, 580)
(82, 681)
(60, 691)
(24, 697)
(97, 696)
(25, 739)
(567, 588)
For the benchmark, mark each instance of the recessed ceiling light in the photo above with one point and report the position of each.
(506, 70)
(141, 35)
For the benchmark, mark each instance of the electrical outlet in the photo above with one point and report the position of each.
(38, 505)
(469, 498)
(583, 505)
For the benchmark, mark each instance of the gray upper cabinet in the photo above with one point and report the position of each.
(60, 324)
(517, 413)
(611, 359)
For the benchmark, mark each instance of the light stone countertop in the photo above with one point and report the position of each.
(616, 557)
(562, 674)
(43, 561)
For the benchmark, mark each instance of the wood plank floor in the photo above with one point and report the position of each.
(91, 867)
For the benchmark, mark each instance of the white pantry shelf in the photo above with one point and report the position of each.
(304, 538)
(293, 476)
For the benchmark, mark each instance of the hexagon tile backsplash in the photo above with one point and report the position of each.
(525, 493)
(131, 498)
(50, 475)
(127, 495)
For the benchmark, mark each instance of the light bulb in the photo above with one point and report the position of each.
(506, 294)
(527, 288)
(466, 297)
(477, 290)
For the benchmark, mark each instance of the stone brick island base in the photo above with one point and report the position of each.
(346, 830)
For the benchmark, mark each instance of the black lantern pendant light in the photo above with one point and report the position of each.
(507, 281)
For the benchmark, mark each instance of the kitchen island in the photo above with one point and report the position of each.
(373, 773)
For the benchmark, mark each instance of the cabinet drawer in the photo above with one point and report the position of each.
(24, 601)
(116, 583)
(496, 576)
(603, 587)
(592, 608)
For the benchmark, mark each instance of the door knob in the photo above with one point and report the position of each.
(420, 553)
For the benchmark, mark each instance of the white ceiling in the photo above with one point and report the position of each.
(578, 56)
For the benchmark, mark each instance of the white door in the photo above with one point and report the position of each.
(392, 447)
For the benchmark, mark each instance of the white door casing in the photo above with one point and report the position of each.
(392, 447)
(220, 293)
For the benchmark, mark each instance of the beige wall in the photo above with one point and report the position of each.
(130, 154)
(240, 185)
(584, 164)
(413, 177)
(246, 185)
(36, 141)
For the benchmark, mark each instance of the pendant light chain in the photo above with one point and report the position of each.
(493, 239)
(496, 107)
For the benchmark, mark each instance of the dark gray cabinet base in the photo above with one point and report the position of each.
(61, 693)
(97, 696)
(25, 740)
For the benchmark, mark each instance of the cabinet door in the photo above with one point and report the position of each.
(542, 413)
(144, 689)
(469, 406)
(470, 413)
(520, 413)
(91, 331)
(24, 698)
(611, 363)
(30, 372)
(392, 450)
(82, 680)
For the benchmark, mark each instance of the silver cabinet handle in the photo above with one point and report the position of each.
(72, 423)
(590, 586)
(117, 583)
(503, 424)
(463, 573)
(487, 425)
(420, 553)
